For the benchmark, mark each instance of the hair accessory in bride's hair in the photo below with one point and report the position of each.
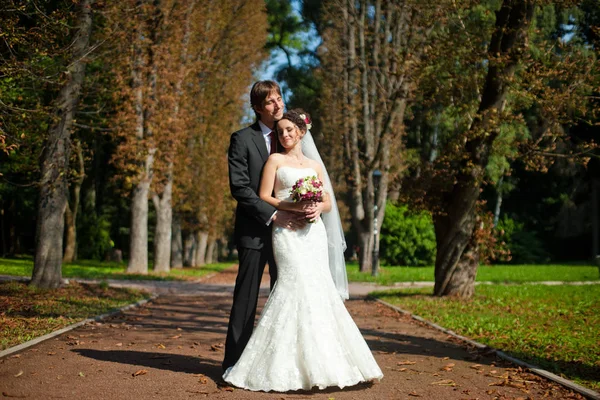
(307, 120)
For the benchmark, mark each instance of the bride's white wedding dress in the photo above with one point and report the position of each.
(305, 337)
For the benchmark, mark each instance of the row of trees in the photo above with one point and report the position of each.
(130, 101)
(459, 90)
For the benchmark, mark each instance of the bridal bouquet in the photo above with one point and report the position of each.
(309, 188)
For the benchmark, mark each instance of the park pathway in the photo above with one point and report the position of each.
(171, 348)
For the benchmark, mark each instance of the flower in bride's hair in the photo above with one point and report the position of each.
(307, 121)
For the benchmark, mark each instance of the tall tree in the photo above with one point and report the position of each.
(53, 186)
(380, 47)
(517, 101)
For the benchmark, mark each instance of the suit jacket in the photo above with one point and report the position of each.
(247, 156)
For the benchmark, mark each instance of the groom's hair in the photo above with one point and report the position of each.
(259, 92)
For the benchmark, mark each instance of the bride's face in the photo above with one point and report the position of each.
(289, 134)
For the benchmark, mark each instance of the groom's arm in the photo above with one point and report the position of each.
(239, 181)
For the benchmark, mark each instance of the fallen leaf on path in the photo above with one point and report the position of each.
(402, 369)
(16, 356)
(448, 367)
(160, 346)
(19, 374)
(444, 382)
(203, 379)
(175, 337)
(414, 394)
(407, 362)
(6, 394)
(119, 344)
(140, 372)
(476, 366)
(51, 353)
(81, 374)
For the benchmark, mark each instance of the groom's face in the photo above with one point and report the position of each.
(272, 109)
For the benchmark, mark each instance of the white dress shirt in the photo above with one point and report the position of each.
(266, 131)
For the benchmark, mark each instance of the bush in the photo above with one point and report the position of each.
(407, 238)
(93, 236)
(524, 245)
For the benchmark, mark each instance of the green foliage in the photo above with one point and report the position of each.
(554, 327)
(94, 240)
(407, 238)
(524, 245)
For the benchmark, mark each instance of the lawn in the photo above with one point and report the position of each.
(92, 269)
(554, 327)
(27, 312)
(485, 273)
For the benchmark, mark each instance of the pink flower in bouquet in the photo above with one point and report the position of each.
(307, 189)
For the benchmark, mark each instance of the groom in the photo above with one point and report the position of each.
(249, 149)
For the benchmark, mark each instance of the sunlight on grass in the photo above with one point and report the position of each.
(555, 327)
(485, 273)
(92, 269)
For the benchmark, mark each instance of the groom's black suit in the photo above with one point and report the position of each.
(247, 156)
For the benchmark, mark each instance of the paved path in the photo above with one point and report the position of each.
(172, 347)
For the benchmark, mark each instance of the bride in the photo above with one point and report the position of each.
(305, 337)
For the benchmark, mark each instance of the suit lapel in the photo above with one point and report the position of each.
(259, 141)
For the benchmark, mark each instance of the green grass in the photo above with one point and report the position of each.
(493, 273)
(554, 327)
(91, 269)
(28, 312)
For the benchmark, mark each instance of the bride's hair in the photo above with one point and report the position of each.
(298, 117)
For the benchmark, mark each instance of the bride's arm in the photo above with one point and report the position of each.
(267, 184)
(316, 209)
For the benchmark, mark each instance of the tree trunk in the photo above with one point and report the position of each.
(498, 206)
(53, 186)
(164, 221)
(211, 251)
(138, 240)
(365, 252)
(189, 246)
(176, 243)
(2, 227)
(456, 267)
(454, 232)
(72, 209)
(200, 252)
(70, 236)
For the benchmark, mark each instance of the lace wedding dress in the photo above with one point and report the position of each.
(305, 337)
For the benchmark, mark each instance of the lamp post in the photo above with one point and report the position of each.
(376, 181)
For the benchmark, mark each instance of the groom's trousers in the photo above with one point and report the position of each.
(245, 298)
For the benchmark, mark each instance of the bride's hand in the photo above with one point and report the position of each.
(313, 210)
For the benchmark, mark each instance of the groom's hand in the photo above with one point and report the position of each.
(289, 220)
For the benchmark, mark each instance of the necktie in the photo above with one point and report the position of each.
(273, 142)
